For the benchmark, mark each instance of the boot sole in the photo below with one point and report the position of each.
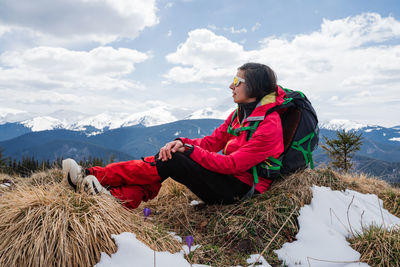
(66, 166)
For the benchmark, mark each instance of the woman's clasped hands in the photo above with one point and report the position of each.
(170, 148)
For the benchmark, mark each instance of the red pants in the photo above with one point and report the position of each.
(130, 181)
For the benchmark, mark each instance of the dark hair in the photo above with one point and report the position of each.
(260, 79)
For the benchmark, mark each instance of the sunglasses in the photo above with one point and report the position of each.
(237, 80)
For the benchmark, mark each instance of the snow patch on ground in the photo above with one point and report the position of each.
(5, 185)
(186, 251)
(254, 258)
(132, 252)
(195, 202)
(175, 236)
(324, 227)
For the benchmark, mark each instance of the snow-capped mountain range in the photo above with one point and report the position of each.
(339, 124)
(392, 134)
(96, 124)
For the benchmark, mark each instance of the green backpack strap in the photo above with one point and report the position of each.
(290, 90)
(255, 175)
(277, 162)
(306, 153)
(230, 130)
(272, 166)
(251, 128)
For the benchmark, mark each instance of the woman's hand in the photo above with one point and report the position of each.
(171, 147)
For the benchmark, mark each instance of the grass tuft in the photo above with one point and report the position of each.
(378, 247)
(44, 223)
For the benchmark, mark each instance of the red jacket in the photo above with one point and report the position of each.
(240, 155)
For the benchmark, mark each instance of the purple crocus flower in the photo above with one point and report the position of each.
(189, 241)
(146, 212)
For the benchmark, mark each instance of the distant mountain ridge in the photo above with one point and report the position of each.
(341, 124)
(96, 124)
(379, 155)
(125, 143)
(93, 125)
(101, 123)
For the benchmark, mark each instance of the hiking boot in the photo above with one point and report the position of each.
(73, 173)
(92, 186)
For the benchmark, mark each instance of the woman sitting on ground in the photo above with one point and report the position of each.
(215, 178)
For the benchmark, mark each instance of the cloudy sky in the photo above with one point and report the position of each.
(94, 56)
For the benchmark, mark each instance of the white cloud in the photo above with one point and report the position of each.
(100, 21)
(235, 31)
(347, 58)
(4, 29)
(346, 52)
(103, 68)
(256, 27)
(209, 57)
(231, 29)
(47, 97)
(13, 111)
(212, 27)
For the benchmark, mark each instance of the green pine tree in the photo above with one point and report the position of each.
(14, 166)
(342, 149)
(3, 161)
(112, 159)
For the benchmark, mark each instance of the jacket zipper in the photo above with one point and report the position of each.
(226, 146)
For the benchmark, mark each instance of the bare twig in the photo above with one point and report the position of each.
(362, 214)
(380, 208)
(332, 211)
(347, 213)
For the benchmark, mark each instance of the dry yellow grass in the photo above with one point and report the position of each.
(43, 223)
(378, 247)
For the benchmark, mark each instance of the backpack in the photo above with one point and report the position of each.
(300, 137)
